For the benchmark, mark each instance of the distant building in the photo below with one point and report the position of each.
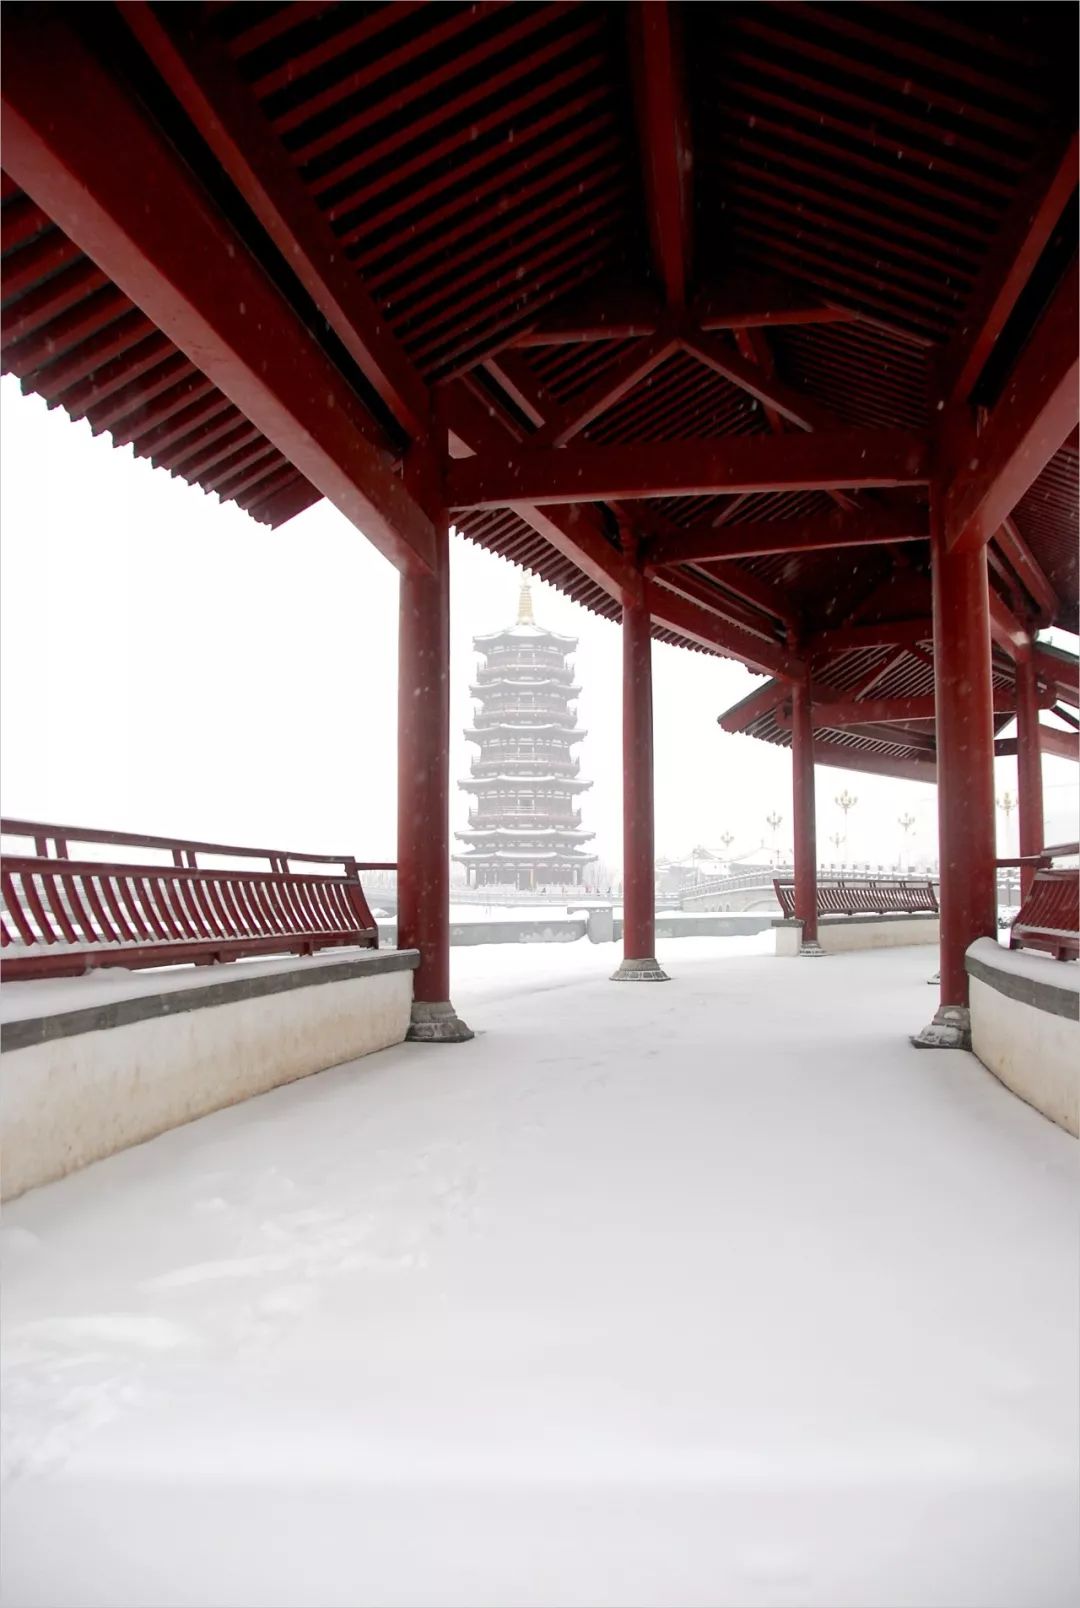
(524, 827)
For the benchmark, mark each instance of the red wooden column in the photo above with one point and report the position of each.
(424, 791)
(639, 962)
(805, 817)
(965, 757)
(1028, 763)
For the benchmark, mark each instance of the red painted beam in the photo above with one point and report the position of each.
(78, 142)
(1060, 744)
(881, 634)
(891, 711)
(1031, 221)
(611, 387)
(226, 114)
(760, 702)
(986, 472)
(663, 126)
(907, 770)
(700, 625)
(689, 584)
(893, 522)
(762, 595)
(612, 312)
(524, 389)
(762, 302)
(757, 382)
(733, 464)
(1028, 570)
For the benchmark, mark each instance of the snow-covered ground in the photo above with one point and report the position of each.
(706, 1292)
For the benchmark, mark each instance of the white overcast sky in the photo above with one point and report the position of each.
(171, 667)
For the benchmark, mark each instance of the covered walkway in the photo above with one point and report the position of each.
(713, 1294)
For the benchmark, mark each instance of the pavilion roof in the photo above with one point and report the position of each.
(682, 231)
(873, 702)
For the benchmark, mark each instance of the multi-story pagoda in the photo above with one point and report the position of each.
(524, 827)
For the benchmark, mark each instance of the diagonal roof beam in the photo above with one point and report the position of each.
(760, 594)
(762, 301)
(664, 139)
(700, 625)
(849, 459)
(1028, 226)
(689, 584)
(753, 378)
(606, 312)
(226, 114)
(1028, 569)
(81, 146)
(762, 701)
(523, 387)
(886, 522)
(637, 364)
(984, 473)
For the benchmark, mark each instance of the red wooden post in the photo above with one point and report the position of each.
(639, 962)
(1028, 763)
(802, 774)
(965, 750)
(424, 792)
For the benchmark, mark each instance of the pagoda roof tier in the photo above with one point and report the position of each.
(571, 783)
(526, 635)
(481, 689)
(569, 856)
(480, 834)
(558, 727)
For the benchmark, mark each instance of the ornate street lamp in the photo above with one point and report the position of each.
(905, 822)
(1006, 803)
(845, 801)
(773, 822)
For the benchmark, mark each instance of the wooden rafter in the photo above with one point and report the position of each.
(1025, 232)
(753, 377)
(224, 111)
(892, 521)
(1028, 570)
(637, 364)
(986, 472)
(92, 175)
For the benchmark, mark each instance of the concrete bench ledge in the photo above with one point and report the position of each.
(90, 1065)
(841, 934)
(1025, 1026)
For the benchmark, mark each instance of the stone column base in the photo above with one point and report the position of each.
(812, 948)
(436, 1024)
(949, 1030)
(647, 970)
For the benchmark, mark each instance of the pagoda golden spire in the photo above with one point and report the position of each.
(525, 609)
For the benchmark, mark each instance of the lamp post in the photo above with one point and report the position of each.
(836, 839)
(1007, 803)
(773, 822)
(905, 822)
(845, 801)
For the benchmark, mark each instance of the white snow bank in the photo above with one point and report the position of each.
(709, 1292)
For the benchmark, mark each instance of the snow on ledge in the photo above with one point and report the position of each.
(1028, 964)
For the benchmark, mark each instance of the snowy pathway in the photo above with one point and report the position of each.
(692, 1294)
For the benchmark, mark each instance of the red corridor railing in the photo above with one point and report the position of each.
(63, 916)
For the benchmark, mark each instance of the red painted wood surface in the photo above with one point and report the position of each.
(1049, 916)
(639, 901)
(804, 807)
(880, 896)
(64, 916)
(963, 692)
